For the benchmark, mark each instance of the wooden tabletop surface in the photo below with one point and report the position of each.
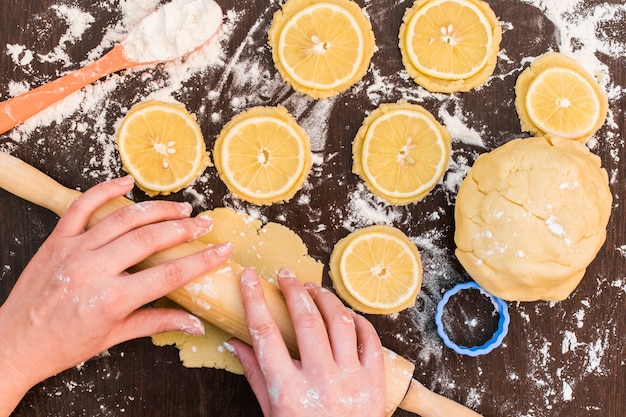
(559, 359)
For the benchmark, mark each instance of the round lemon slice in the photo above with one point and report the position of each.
(450, 45)
(263, 155)
(321, 48)
(161, 146)
(556, 96)
(377, 270)
(401, 152)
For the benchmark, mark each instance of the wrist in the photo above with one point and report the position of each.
(15, 383)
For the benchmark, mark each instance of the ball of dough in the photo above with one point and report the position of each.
(531, 216)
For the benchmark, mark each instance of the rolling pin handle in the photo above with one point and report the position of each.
(422, 401)
(32, 185)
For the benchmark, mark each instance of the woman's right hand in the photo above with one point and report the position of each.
(341, 371)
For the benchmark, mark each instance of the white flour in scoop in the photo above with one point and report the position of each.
(174, 30)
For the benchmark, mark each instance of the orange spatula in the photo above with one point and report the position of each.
(18, 109)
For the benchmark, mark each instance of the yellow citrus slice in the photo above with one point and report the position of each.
(556, 96)
(263, 155)
(450, 45)
(401, 152)
(321, 48)
(161, 146)
(377, 270)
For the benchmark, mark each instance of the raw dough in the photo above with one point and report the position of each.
(531, 216)
(206, 351)
(266, 248)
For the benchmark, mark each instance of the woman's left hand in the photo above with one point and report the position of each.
(74, 299)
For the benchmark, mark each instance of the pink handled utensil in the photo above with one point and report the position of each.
(18, 109)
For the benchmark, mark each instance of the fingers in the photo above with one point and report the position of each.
(369, 345)
(353, 341)
(267, 342)
(75, 219)
(331, 339)
(253, 373)
(155, 282)
(129, 219)
(149, 321)
(339, 323)
(151, 238)
(133, 217)
(309, 325)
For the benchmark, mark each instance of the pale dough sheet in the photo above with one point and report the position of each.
(267, 248)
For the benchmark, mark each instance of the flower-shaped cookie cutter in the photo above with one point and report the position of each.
(498, 336)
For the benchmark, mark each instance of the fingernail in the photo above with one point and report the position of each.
(348, 319)
(230, 348)
(310, 285)
(194, 328)
(185, 209)
(125, 181)
(249, 277)
(286, 273)
(222, 249)
(204, 222)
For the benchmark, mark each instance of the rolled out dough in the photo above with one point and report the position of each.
(268, 249)
(206, 351)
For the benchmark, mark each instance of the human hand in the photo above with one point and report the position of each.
(75, 300)
(341, 370)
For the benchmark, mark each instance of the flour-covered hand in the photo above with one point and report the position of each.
(74, 299)
(341, 367)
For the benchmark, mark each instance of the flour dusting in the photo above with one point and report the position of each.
(235, 72)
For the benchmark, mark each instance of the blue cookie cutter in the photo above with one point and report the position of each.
(497, 338)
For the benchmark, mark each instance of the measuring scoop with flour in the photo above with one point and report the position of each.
(172, 31)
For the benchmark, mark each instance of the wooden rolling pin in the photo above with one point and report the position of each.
(221, 303)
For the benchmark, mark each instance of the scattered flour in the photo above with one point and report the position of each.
(174, 30)
(245, 78)
(77, 23)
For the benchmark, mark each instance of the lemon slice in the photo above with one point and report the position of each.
(401, 152)
(263, 155)
(556, 96)
(321, 48)
(377, 270)
(161, 146)
(450, 45)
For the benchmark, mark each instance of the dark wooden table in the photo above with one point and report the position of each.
(559, 359)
